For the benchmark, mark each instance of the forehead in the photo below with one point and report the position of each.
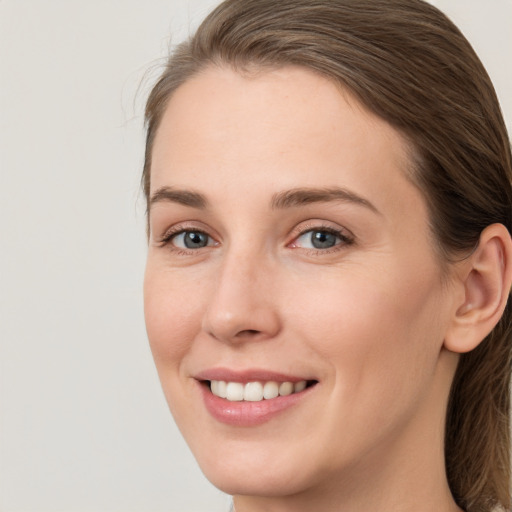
(267, 124)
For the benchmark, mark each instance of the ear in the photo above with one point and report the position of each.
(485, 279)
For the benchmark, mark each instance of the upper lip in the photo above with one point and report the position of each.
(249, 375)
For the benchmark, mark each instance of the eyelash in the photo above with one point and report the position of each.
(169, 235)
(345, 239)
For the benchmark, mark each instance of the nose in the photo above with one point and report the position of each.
(243, 305)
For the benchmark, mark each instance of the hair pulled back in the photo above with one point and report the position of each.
(409, 64)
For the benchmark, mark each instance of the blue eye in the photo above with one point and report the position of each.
(320, 239)
(191, 240)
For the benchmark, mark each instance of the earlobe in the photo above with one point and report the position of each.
(486, 278)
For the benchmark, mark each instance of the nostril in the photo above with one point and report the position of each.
(248, 333)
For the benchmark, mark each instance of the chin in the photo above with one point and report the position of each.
(252, 476)
(267, 484)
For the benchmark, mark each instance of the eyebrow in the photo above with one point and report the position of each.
(282, 200)
(303, 196)
(174, 195)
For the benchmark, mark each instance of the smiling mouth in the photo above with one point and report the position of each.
(256, 391)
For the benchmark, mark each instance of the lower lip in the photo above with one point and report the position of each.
(248, 414)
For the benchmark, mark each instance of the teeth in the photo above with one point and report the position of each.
(235, 391)
(222, 389)
(285, 388)
(299, 386)
(254, 391)
(270, 390)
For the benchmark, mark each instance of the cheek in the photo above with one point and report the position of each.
(172, 310)
(380, 332)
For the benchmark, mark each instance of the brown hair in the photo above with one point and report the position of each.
(410, 65)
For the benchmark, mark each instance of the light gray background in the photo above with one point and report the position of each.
(83, 423)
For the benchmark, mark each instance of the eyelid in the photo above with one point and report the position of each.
(176, 229)
(322, 225)
(346, 237)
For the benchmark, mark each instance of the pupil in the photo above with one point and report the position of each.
(193, 240)
(323, 239)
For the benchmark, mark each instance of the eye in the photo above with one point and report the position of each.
(191, 240)
(320, 238)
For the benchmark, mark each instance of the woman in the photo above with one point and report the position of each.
(329, 208)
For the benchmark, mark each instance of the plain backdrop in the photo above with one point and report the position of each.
(83, 423)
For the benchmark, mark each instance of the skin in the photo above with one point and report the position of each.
(367, 318)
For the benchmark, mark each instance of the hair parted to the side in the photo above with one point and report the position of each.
(407, 63)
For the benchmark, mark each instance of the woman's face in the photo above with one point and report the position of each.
(288, 248)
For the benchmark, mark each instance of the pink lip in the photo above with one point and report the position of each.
(250, 375)
(247, 414)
